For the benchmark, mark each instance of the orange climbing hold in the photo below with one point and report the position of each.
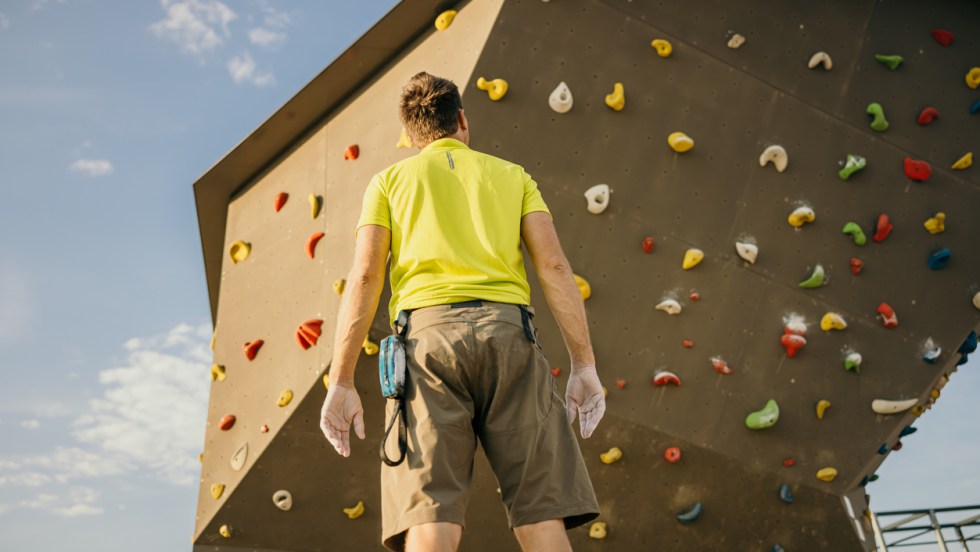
(308, 333)
(856, 266)
(927, 116)
(888, 317)
(227, 421)
(251, 348)
(556, 371)
(883, 227)
(688, 343)
(789, 462)
(311, 243)
(672, 455)
(720, 366)
(281, 198)
(352, 152)
(917, 170)
(793, 343)
(621, 383)
(648, 245)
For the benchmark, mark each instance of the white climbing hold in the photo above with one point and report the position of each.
(598, 197)
(777, 155)
(560, 99)
(736, 41)
(820, 58)
(239, 458)
(747, 251)
(670, 306)
(976, 300)
(882, 406)
(283, 500)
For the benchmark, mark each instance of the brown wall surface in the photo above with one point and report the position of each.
(733, 103)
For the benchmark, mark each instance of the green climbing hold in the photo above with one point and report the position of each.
(852, 362)
(761, 419)
(853, 164)
(854, 230)
(816, 279)
(878, 121)
(892, 61)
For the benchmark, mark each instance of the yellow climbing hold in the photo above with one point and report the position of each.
(200, 457)
(832, 321)
(610, 456)
(338, 286)
(404, 141)
(692, 257)
(822, 407)
(680, 142)
(973, 78)
(285, 398)
(370, 347)
(827, 474)
(597, 530)
(315, 202)
(495, 88)
(326, 381)
(216, 490)
(583, 286)
(355, 512)
(617, 100)
(225, 531)
(445, 19)
(801, 216)
(217, 372)
(964, 162)
(662, 46)
(239, 251)
(936, 224)
(214, 336)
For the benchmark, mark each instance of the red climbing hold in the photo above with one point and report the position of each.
(695, 296)
(917, 170)
(672, 455)
(308, 333)
(942, 36)
(311, 243)
(281, 198)
(665, 377)
(888, 317)
(883, 227)
(352, 152)
(647, 245)
(226, 422)
(898, 446)
(620, 383)
(555, 371)
(688, 343)
(792, 343)
(721, 366)
(252, 348)
(789, 462)
(856, 266)
(264, 428)
(927, 116)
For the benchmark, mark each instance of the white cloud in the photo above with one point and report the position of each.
(148, 422)
(92, 167)
(30, 424)
(4, 21)
(242, 69)
(265, 38)
(196, 26)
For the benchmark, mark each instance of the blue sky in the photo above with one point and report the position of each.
(110, 111)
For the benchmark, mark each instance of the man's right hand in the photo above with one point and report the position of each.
(341, 409)
(584, 393)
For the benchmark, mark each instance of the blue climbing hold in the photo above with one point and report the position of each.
(939, 258)
(777, 548)
(883, 449)
(962, 360)
(691, 514)
(975, 108)
(970, 345)
(864, 481)
(907, 430)
(785, 493)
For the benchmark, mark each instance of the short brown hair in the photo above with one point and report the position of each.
(429, 108)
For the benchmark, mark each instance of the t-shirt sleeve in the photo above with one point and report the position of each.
(375, 208)
(532, 197)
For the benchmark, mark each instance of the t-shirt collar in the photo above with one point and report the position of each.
(444, 144)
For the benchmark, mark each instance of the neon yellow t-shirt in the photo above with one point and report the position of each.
(455, 220)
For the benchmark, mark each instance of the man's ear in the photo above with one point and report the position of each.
(463, 123)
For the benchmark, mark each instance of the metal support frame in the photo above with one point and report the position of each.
(935, 527)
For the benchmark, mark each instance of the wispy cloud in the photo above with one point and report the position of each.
(30, 424)
(242, 69)
(271, 32)
(92, 167)
(265, 38)
(195, 26)
(148, 422)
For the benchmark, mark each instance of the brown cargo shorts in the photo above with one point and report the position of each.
(473, 373)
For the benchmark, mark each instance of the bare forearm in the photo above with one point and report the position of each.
(357, 309)
(566, 304)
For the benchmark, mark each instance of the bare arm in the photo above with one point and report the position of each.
(563, 296)
(342, 407)
(583, 392)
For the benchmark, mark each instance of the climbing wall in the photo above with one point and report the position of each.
(774, 155)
